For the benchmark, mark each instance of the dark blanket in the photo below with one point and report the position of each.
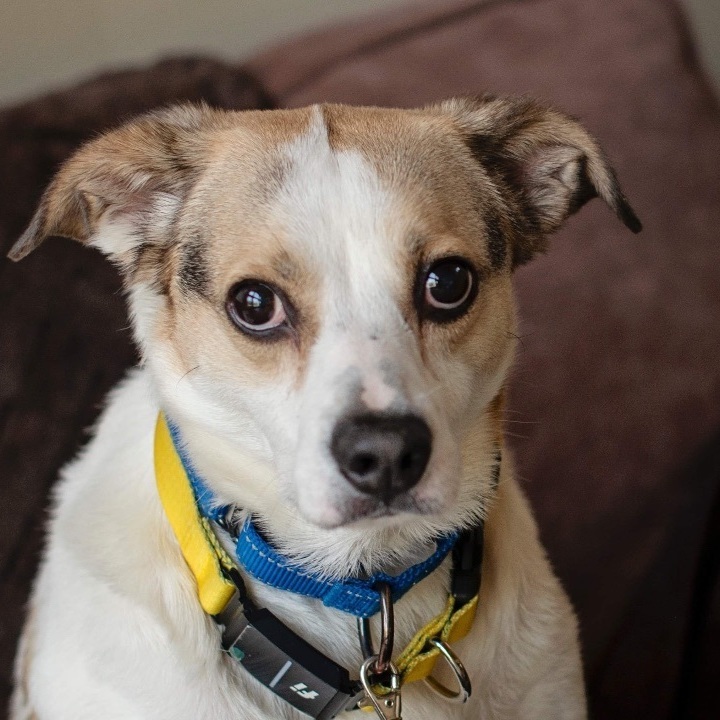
(615, 412)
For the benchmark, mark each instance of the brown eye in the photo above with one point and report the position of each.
(255, 307)
(449, 289)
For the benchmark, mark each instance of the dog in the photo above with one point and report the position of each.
(322, 302)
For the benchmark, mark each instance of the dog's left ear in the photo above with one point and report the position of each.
(118, 191)
(546, 165)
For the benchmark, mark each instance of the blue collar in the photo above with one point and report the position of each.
(356, 596)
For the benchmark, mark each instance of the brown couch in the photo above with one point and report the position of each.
(615, 412)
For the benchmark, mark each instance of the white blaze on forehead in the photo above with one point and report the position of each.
(347, 226)
(340, 215)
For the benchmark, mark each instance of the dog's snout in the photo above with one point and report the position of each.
(382, 455)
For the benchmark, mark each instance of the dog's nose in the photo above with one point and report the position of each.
(382, 455)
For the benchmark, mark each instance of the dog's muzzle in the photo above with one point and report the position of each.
(382, 455)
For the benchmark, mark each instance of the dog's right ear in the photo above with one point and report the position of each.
(125, 183)
(544, 162)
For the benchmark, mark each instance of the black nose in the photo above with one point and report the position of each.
(382, 455)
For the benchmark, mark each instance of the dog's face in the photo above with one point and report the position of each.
(328, 289)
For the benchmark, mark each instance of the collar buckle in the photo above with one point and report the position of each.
(289, 666)
(281, 660)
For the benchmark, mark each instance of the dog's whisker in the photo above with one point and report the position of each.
(524, 437)
(191, 370)
(520, 335)
(519, 436)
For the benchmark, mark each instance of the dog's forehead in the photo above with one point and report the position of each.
(336, 186)
(405, 149)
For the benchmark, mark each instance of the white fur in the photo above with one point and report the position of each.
(116, 630)
(115, 237)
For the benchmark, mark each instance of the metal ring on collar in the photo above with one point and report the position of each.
(387, 632)
(464, 684)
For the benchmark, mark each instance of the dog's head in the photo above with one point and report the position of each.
(327, 290)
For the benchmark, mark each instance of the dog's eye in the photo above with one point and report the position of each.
(255, 307)
(449, 289)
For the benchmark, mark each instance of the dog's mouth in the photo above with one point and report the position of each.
(369, 511)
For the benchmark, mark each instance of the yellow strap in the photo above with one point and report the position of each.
(413, 663)
(416, 662)
(205, 557)
(198, 543)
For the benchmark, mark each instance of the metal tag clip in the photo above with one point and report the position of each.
(388, 706)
